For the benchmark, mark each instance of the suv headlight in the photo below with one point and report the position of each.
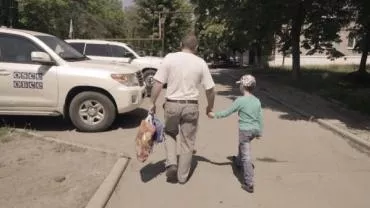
(126, 79)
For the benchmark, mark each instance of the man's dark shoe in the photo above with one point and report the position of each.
(182, 183)
(171, 174)
(248, 188)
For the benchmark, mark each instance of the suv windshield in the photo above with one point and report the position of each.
(63, 49)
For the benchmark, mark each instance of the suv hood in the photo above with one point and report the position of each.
(146, 61)
(101, 65)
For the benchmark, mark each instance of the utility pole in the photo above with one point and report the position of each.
(162, 20)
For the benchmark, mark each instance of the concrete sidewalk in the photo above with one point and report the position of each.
(298, 164)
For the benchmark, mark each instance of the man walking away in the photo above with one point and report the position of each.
(183, 72)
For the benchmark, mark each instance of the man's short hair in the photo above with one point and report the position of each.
(190, 42)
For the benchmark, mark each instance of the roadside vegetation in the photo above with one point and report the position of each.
(5, 135)
(334, 83)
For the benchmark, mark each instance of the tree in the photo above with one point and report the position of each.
(131, 23)
(211, 27)
(255, 26)
(360, 30)
(176, 17)
(318, 22)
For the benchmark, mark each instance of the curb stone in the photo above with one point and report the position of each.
(321, 122)
(107, 187)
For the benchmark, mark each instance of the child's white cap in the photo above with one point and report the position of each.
(247, 81)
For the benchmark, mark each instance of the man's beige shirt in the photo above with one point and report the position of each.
(183, 73)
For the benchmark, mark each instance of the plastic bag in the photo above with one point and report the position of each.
(144, 139)
(159, 127)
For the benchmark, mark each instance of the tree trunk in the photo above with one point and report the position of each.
(365, 53)
(259, 55)
(297, 24)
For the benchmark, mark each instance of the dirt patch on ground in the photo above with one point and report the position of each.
(37, 173)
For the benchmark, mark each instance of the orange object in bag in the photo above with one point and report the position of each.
(144, 139)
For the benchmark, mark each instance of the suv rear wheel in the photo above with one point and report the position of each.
(92, 112)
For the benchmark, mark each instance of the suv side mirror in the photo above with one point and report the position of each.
(131, 57)
(41, 57)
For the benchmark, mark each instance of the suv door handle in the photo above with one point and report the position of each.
(4, 72)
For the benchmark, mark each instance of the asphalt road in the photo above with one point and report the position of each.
(298, 163)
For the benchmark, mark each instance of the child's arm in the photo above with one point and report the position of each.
(232, 109)
(260, 121)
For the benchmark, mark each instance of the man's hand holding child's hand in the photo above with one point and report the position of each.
(211, 114)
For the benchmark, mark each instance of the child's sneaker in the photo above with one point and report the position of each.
(248, 188)
(237, 163)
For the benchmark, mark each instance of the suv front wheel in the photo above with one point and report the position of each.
(92, 112)
(148, 79)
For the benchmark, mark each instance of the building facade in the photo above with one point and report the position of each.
(8, 13)
(346, 46)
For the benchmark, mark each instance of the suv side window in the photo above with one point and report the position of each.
(80, 47)
(98, 50)
(17, 49)
(119, 51)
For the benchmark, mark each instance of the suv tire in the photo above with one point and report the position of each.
(92, 112)
(148, 79)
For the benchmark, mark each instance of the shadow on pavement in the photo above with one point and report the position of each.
(151, 171)
(130, 120)
(42, 123)
(236, 170)
(269, 160)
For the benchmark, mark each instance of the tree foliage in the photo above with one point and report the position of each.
(259, 25)
(91, 19)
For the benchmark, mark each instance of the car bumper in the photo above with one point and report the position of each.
(128, 98)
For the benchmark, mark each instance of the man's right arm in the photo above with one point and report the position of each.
(210, 93)
(160, 78)
(156, 90)
(209, 85)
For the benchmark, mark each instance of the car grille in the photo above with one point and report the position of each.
(140, 77)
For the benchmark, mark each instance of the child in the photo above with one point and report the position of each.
(250, 127)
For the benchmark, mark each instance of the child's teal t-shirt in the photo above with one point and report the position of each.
(249, 110)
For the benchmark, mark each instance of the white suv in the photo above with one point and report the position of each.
(43, 75)
(117, 53)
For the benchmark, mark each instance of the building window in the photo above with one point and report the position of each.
(351, 42)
